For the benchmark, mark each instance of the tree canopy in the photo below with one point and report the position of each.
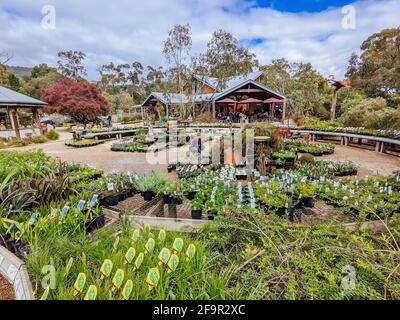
(225, 58)
(80, 100)
(377, 70)
(307, 91)
(70, 64)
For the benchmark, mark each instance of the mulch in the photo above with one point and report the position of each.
(6, 289)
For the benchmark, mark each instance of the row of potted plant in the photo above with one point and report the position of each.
(140, 143)
(327, 168)
(84, 143)
(303, 146)
(392, 134)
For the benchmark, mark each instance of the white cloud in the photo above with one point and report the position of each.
(126, 30)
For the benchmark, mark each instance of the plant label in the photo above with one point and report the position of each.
(81, 205)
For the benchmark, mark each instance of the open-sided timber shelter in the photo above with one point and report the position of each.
(245, 94)
(19, 115)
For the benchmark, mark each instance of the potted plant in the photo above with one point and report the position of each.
(306, 192)
(166, 192)
(150, 184)
(96, 220)
(197, 208)
(241, 174)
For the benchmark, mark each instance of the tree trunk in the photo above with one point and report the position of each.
(333, 107)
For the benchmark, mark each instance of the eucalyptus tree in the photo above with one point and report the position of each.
(376, 70)
(225, 58)
(113, 77)
(70, 64)
(176, 50)
(134, 76)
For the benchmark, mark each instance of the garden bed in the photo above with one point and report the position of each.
(82, 143)
(6, 289)
(252, 212)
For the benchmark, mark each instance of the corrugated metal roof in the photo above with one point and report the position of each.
(232, 85)
(175, 98)
(213, 82)
(10, 97)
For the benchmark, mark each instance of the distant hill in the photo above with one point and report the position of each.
(20, 71)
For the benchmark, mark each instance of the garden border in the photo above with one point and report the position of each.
(380, 141)
(14, 270)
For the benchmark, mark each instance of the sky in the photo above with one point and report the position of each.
(322, 32)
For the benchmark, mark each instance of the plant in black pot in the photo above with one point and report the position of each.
(191, 190)
(110, 197)
(197, 208)
(166, 192)
(178, 194)
(306, 192)
(96, 220)
(150, 184)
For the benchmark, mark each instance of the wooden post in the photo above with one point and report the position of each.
(284, 110)
(382, 149)
(167, 111)
(35, 119)
(378, 146)
(333, 106)
(15, 122)
(213, 109)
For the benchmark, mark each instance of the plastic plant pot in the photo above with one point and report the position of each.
(191, 195)
(122, 196)
(178, 201)
(212, 215)
(167, 199)
(309, 202)
(197, 214)
(112, 200)
(148, 195)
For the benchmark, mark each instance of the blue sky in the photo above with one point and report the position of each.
(323, 32)
(302, 5)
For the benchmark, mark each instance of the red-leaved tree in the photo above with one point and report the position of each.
(80, 100)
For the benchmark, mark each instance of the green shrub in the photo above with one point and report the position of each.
(52, 135)
(39, 139)
(18, 143)
(152, 181)
(306, 158)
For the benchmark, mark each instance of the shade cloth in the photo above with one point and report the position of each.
(250, 100)
(226, 100)
(273, 100)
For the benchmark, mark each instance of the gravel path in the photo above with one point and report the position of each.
(6, 289)
(369, 162)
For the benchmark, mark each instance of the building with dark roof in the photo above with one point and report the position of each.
(207, 94)
(12, 104)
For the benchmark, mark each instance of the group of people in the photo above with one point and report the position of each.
(243, 116)
(230, 117)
